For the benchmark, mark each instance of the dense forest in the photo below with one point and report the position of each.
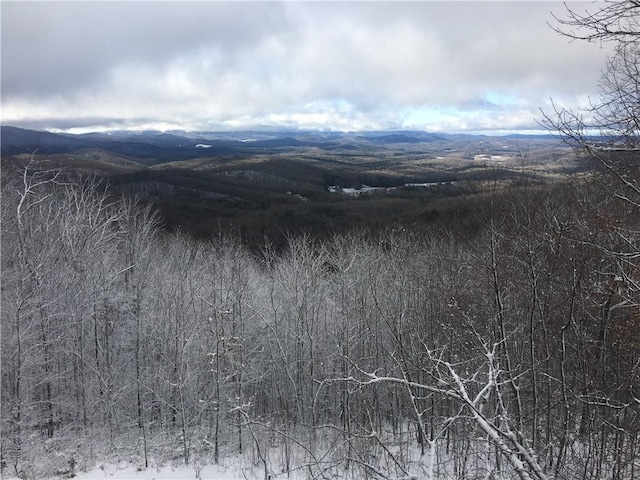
(511, 351)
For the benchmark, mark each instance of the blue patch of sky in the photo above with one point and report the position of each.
(434, 117)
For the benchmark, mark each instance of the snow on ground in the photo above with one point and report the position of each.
(127, 471)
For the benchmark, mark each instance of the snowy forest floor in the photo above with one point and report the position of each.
(90, 458)
(126, 470)
(93, 456)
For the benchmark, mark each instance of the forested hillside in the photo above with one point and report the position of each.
(320, 184)
(509, 353)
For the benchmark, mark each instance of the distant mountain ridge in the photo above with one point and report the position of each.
(16, 140)
(157, 146)
(178, 145)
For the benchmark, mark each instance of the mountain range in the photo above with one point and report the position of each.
(182, 145)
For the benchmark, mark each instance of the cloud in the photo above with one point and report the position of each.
(327, 65)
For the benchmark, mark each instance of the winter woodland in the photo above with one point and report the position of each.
(508, 352)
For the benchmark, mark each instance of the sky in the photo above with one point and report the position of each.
(441, 66)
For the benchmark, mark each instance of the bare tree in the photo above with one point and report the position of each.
(610, 125)
(607, 291)
(58, 263)
(613, 22)
(482, 392)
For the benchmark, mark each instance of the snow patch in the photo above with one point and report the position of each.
(127, 471)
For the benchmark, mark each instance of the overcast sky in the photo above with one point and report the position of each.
(437, 66)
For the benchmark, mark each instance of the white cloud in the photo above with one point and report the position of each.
(346, 66)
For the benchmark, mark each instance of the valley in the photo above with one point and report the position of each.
(270, 184)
